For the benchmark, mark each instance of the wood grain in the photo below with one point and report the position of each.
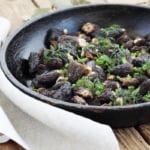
(16, 11)
(40, 4)
(145, 132)
(130, 139)
(10, 145)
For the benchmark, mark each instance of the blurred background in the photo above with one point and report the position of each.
(18, 11)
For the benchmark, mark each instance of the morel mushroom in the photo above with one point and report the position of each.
(129, 44)
(84, 36)
(52, 35)
(55, 63)
(83, 92)
(70, 43)
(46, 79)
(79, 100)
(105, 97)
(123, 39)
(76, 71)
(97, 66)
(125, 82)
(111, 84)
(139, 41)
(34, 61)
(141, 78)
(101, 73)
(44, 92)
(88, 27)
(145, 87)
(122, 70)
(64, 92)
(138, 61)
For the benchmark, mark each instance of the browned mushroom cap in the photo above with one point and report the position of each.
(123, 38)
(97, 74)
(101, 73)
(71, 40)
(54, 44)
(127, 82)
(79, 100)
(52, 35)
(139, 41)
(122, 70)
(93, 75)
(83, 92)
(143, 48)
(111, 77)
(45, 79)
(138, 61)
(105, 97)
(96, 71)
(135, 48)
(42, 68)
(141, 78)
(145, 87)
(111, 84)
(44, 92)
(70, 43)
(55, 63)
(76, 71)
(34, 61)
(88, 27)
(84, 36)
(62, 91)
(89, 54)
(58, 84)
(129, 44)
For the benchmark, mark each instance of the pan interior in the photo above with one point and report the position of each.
(31, 37)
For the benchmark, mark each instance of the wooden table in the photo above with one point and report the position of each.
(134, 138)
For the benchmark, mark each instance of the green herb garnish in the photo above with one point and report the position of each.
(111, 30)
(104, 60)
(129, 96)
(146, 66)
(96, 87)
(119, 54)
(147, 96)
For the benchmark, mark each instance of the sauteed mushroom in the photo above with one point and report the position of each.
(46, 79)
(97, 66)
(122, 70)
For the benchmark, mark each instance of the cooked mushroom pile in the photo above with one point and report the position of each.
(94, 66)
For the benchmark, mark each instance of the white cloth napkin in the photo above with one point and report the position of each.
(39, 126)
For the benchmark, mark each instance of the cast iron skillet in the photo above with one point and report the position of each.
(31, 37)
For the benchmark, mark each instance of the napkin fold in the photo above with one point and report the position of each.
(39, 126)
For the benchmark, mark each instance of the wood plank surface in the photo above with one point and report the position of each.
(145, 132)
(10, 145)
(131, 139)
(16, 11)
(40, 4)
